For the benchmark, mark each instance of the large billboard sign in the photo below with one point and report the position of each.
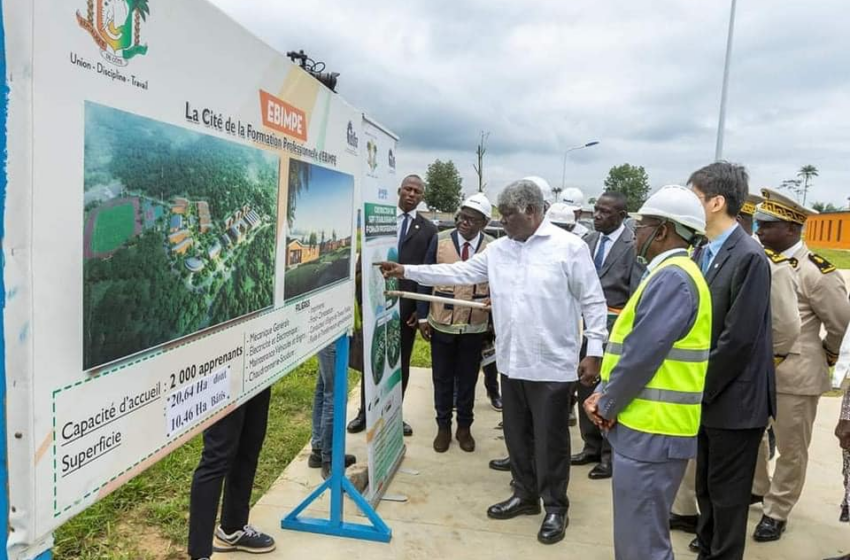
(179, 221)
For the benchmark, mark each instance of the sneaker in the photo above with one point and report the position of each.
(246, 540)
(314, 461)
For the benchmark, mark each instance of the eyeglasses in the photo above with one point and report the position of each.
(465, 218)
(640, 226)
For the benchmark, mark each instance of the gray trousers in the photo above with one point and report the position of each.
(643, 495)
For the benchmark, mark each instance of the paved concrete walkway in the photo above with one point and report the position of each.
(445, 517)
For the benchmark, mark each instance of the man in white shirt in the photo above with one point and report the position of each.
(542, 282)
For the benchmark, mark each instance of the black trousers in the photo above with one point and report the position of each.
(726, 464)
(231, 450)
(594, 441)
(455, 359)
(491, 380)
(536, 415)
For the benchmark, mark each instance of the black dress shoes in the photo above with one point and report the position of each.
(553, 528)
(693, 546)
(513, 507)
(769, 529)
(584, 458)
(408, 431)
(358, 424)
(600, 471)
(684, 523)
(501, 464)
(496, 403)
(845, 557)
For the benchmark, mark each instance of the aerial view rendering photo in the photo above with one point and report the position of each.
(180, 233)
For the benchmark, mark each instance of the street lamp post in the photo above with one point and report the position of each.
(721, 125)
(574, 148)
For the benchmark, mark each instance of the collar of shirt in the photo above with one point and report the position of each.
(473, 243)
(715, 244)
(613, 236)
(399, 213)
(543, 230)
(654, 263)
(791, 251)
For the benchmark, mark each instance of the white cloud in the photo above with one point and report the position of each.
(642, 78)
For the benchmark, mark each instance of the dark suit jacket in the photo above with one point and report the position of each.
(413, 248)
(740, 386)
(620, 273)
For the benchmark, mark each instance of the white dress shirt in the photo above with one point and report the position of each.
(612, 238)
(473, 243)
(540, 289)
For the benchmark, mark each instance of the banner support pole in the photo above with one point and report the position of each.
(4, 457)
(338, 484)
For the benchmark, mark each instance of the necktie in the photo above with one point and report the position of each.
(403, 231)
(464, 254)
(599, 259)
(706, 259)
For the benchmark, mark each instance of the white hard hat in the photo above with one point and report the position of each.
(678, 204)
(561, 213)
(480, 203)
(573, 197)
(548, 194)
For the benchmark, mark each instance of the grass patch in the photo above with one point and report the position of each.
(113, 227)
(421, 356)
(839, 257)
(148, 517)
(316, 274)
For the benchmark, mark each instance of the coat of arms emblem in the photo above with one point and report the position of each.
(116, 25)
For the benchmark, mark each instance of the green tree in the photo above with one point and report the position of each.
(630, 180)
(443, 186)
(826, 207)
(794, 186)
(299, 179)
(807, 172)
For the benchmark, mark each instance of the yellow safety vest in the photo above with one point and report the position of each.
(671, 404)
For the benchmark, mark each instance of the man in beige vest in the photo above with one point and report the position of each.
(457, 332)
(804, 375)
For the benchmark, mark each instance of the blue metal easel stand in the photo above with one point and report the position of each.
(338, 483)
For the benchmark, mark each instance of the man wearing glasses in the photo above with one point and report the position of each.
(456, 333)
(740, 388)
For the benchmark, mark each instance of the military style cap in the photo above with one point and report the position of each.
(749, 207)
(780, 208)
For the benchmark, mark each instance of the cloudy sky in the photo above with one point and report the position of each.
(642, 78)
